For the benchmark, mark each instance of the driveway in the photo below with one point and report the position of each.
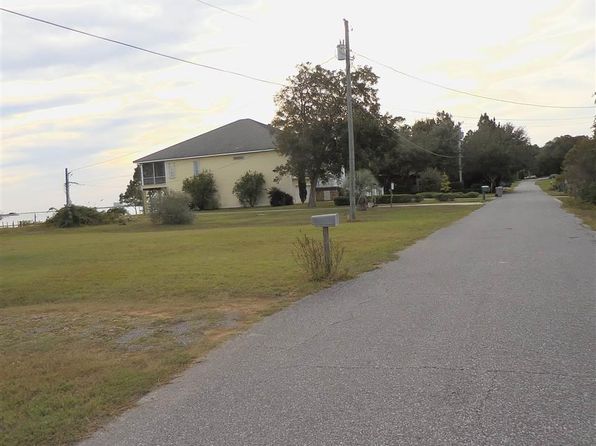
(483, 333)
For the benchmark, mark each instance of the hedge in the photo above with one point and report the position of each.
(398, 198)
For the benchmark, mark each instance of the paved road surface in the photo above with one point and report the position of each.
(482, 333)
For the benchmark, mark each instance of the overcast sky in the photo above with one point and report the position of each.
(73, 101)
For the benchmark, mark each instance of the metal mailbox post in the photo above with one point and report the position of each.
(325, 221)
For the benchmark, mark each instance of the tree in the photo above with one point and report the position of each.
(133, 196)
(364, 181)
(579, 169)
(551, 155)
(430, 180)
(202, 189)
(440, 135)
(495, 152)
(311, 121)
(249, 188)
(445, 184)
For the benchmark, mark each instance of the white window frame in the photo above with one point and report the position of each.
(196, 167)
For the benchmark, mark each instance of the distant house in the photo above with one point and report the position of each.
(228, 152)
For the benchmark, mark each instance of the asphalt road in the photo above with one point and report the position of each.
(482, 333)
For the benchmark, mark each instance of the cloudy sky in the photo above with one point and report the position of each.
(73, 101)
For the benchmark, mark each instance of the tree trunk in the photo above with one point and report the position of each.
(302, 191)
(312, 196)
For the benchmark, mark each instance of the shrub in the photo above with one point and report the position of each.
(202, 189)
(364, 183)
(72, 216)
(278, 197)
(471, 195)
(418, 198)
(445, 184)
(397, 198)
(341, 201)
(427, 194)
(171, 208)
(249, 188)
(430, 180)
(445, 197)
(310, 257)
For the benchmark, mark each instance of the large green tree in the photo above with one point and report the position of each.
(495, 152)
(551, 155)
(133, 196)
(579, 169)
(440, 135)
(311, 122)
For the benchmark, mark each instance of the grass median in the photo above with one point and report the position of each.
(93, 318)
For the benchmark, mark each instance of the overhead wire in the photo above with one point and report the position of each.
(424, 148)
(455, 90)
(227, 11)
(578, 118)
(136, 47)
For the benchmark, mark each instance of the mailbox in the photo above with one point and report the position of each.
(325, 220)
(485, 189)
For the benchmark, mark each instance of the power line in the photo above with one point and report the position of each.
(455, 90)
(156, 53)
(578, 118)
(423, 148)
(225, 10)
(86, 166)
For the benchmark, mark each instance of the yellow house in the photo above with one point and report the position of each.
(228, 152)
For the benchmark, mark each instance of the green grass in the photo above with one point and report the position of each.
(585, 211)
(93, 318)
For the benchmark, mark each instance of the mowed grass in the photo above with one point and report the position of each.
(93, 318)
(585, 211)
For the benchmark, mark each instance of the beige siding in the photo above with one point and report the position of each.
(226, 170)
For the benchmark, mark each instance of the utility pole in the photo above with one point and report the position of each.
(352, 162)
(67, 186)
(461, 178)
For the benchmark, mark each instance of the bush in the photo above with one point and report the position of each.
(72, 216)
(430, 180)
(249, 188)
(341, 201)
(171, 208)
(202, 189)
(471, 195)
(445, 184)
(445, 197)
(278, 197)
(310, 257)
(397, 198)
(427, 194)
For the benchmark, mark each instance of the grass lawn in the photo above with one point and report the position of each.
(585, 211)
(93, 318)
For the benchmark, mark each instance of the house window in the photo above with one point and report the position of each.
(196, 168)
(154, 173)
(171, 170)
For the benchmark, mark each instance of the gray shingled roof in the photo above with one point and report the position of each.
(244, 135)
